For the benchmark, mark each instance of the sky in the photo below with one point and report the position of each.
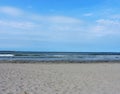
(60, 25)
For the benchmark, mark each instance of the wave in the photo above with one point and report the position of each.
(81, 56)
(6, 55)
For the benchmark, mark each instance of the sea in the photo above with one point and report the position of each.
(60, 56)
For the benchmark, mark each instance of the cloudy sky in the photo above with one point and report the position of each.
(60, 25)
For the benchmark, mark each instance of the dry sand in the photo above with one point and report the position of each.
(62, 78)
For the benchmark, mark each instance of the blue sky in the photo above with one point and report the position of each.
(60, 25)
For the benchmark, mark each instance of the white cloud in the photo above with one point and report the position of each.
(58, 27)
(63, 19)
(56, 19)
(58, 23)
(16, 24)
(88, 14)
(108, 22)
(105, 27)
(11, 11)
(115, 16)
(39, 22)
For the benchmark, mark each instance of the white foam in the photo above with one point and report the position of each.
(6, 55)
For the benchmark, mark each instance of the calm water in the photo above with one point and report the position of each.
(67, 56)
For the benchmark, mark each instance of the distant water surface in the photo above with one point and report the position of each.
(65, 56)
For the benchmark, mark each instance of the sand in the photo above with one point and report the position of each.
(62, 78)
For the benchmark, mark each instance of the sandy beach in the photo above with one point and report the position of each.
(95, 78)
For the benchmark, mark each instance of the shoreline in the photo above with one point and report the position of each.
(58, 61)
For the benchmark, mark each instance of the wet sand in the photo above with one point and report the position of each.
(95, 78)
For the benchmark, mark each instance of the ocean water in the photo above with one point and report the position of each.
(58, 56)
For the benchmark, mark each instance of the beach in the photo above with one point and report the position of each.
(62, 78)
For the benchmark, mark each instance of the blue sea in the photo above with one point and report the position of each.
(60, 56)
